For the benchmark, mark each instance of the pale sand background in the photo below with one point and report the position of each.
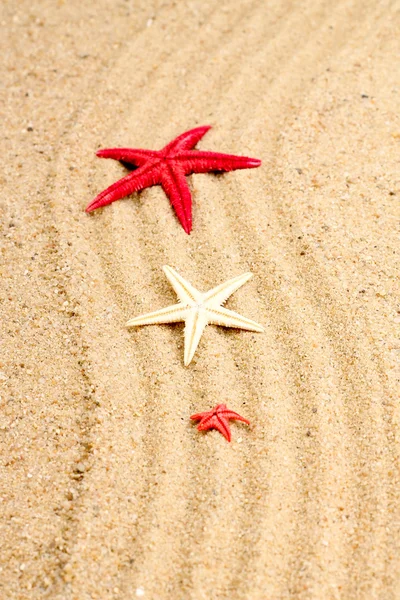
(107, 489)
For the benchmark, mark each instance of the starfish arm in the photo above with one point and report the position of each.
(194, 327)
(230, 414)
(228, 318)
(133, 182)
(223, 427)
(221, 293)
(132, 156)
(197, 161)
(184, 290)
(170, 314)
(200, 416)
(186, 140)
(175, 186)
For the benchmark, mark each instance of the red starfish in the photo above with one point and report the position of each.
(218, 418)
(168, 167)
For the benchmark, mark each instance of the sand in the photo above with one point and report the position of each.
(107, 490)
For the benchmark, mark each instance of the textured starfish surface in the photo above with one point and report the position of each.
(218, 418)
(168, 168)
(198, 309)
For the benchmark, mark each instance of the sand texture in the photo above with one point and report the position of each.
(107, 490)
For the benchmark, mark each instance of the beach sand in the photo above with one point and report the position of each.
(107, 489)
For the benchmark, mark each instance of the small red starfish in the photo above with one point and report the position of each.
(168, 167)
(218, 418)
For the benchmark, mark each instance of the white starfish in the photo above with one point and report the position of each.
(198, 309)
